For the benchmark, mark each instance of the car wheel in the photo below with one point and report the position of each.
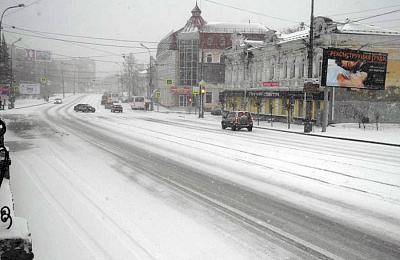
(233, 128)
(223, 126)
(250, 128)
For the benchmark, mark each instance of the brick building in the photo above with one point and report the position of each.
(193, 54)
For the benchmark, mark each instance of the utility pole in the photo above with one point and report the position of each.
(308, 95)
(62, 76)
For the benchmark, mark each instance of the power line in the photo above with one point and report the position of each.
(240, 9)
(80, 42)
(375, 16)
(363, 11)
(84, 37)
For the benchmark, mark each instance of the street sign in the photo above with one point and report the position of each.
(169, 82)
(196, 90)
(311, 86)
(43, 80)
(158, 94)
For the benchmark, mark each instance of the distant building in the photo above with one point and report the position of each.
(194, 53)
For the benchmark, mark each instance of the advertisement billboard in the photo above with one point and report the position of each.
(4, 90)
(33, 55)
(354, 69)
(29, 89)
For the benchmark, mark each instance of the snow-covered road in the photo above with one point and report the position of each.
(142, 185)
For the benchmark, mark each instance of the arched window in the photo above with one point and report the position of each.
(319, 66)
(209, 58)
(301, 68)
(293, 69)
(272, 71)
(285, 69)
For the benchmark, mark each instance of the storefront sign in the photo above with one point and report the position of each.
(262, 94)
(180, 90)
(270, 84)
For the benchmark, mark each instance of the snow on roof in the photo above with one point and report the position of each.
(364, 29)
(295, 36)
(226, 27)
(254, 43)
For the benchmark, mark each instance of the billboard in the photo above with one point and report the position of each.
(4, 90)
(30, 89)
(33, 55)
(354, 69)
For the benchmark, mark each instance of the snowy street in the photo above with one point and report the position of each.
(156, 185)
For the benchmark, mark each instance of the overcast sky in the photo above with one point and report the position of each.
(148, 21)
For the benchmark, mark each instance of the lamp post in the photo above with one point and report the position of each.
(1, 20)
(308, 100)
(12, 76)
(150, 77)
(62, 77)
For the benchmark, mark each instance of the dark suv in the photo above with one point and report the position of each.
(116, 108)
(84, 108)
(237, 120)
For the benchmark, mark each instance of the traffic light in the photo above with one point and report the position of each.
(203, 90)
(190, 100)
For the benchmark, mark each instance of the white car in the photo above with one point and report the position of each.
(57, 101)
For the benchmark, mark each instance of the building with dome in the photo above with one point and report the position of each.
(194, 54)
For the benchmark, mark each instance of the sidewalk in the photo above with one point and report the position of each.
(386, 133)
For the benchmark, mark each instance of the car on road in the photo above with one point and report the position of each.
(116, 108)
(138, 102)
(57, 101)
(237, 120)
(216, 110)
(84, 108)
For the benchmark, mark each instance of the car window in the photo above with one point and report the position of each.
(139, 99)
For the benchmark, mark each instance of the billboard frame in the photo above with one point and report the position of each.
(354, 69)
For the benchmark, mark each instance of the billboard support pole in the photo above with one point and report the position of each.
(307, 118)
(326, 109)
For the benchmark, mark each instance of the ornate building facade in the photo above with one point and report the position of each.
(268, 76)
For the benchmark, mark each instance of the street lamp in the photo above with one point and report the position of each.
(150, 77)
(1, 20)
(62, 76)
(12, 76)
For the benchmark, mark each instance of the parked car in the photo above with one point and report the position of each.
(217, 110)
(84, 108)
(237, 120)
(116, 108)
(138, 102)
(57, 101)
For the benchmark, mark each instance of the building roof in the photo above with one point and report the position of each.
(348, 28)
(195, 22)
(225, 27)
(294, 36)
(352, 27)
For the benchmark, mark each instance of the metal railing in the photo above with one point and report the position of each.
(5, 163)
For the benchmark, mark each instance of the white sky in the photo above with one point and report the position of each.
(70, 211)
(148, 21)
